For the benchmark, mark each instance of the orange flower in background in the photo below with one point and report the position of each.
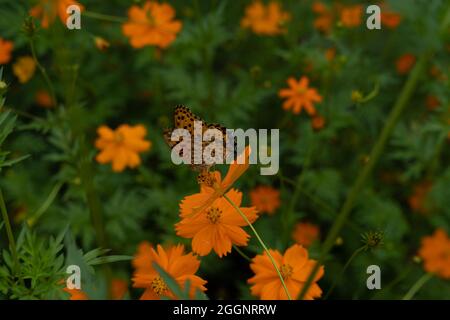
(295, 267)
(152, 24)
(330, 54)
(6, 48)
(351, 16)
(404, 63)
(265, 199)
(217, 227)
(417, 200)
(76, 294)
(43, 99)
(140, 261)
(305, 233)
(432, 103)
(24, 68)
(47, 10)
(435, 252)
(436, 73)
(121, 146)
(181, 267)
(265, 20)
(388, 18)
(101, 43)
(324, 17)
(318, 122)
(299, 96)
(118, 288)
(213, 187)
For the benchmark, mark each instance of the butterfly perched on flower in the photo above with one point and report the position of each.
(184, 118)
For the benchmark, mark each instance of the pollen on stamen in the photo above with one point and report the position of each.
(214, 214)
(159, 286)
(286, 271)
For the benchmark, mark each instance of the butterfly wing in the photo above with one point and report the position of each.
(184, 118)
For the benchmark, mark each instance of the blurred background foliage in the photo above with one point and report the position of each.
(231, 76)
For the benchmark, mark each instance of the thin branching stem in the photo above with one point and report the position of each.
(262, 244)
(367, 170)
(417, 286)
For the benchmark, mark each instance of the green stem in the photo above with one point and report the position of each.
(93, 202)
(261, 242)
(243, 255)
(320, 203)
(95, 210)
(365, 173)
(416, 286)
(43, 72)
(396, 280)
(338, 278)
(47, 203)
(288, 214)
(12, 242)
(104, 17)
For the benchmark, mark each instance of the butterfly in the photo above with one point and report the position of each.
(184, 118)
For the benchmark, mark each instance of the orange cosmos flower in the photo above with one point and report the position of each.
(404, 63)
(47, 10)
(299, 96)
(305, 233)
(43, 99)
(388, 18)
(318, 122)
(121, 146)
(330, 53)
(217, 227)
(351, 16)
(213, 187)
(432, 103)
(324, 17)
(265, 199)
(435, 252)
(24, 68)
(6, 48)
(76, 294)
(181, 267)
(417, 201)
(295, 267)
(118, 288)
(152, 24)
(265, 20)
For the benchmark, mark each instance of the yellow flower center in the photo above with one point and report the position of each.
(213, 214)
(301, 90)
(150, 19)
(118, 137)
(159, 286)
(286, 271)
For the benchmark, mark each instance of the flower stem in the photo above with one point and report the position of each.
(43, 72)
(416, 286)
(243, 255)
(12, 242)
(47, 203)
(104, 17)
(347, 264)
(365, 173)
(390, 285)
(261, 242)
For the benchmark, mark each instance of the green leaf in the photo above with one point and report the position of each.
(171, 283)
(109, 259)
